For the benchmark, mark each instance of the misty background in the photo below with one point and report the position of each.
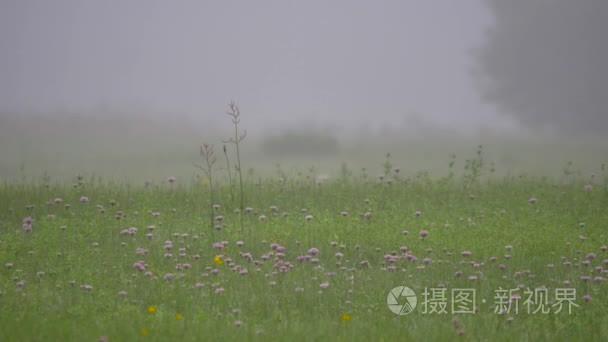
(129, 89)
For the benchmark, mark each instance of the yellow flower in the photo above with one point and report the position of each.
(178, 316)
(206, 181)
(143, 331)
(345, 317)
(152, 309)
(218, 260)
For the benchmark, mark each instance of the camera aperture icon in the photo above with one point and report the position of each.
(401, 300)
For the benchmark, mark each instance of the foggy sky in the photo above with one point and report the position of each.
(284, 62)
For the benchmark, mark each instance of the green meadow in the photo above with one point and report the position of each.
(110, 231)
(307, 258)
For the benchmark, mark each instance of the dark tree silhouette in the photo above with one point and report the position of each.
(545, 63)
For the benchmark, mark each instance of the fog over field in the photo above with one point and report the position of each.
(130, 89)
(350, 170)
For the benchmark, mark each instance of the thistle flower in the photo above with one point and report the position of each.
(140, 265)
(171, 179)
(313, 251)
(424, 233)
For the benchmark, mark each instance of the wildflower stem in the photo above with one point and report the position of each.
(235, 114)
(208, 155)
(229, 175)
(238, 158)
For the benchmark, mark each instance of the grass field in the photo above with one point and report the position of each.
(87, 259)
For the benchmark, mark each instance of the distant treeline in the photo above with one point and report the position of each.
(300, 144)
